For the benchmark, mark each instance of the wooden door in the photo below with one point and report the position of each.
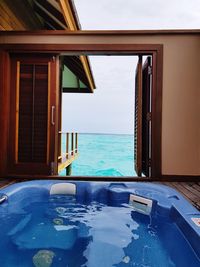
(33, 114)
(142, 133)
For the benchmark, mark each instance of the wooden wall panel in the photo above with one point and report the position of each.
(8, 20)
(15, 15)
(4, 110)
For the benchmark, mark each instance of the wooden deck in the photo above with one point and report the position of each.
(190, 190)
(71, 150)
(66, 162)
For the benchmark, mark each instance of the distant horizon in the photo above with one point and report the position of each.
(104, 133)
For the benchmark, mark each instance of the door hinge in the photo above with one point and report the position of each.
(150, 70)
(149, 162)
(149, 117)
(52, 168)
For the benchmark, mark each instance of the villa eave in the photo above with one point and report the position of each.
(104, 32)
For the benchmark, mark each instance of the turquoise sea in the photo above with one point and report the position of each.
(104, 155)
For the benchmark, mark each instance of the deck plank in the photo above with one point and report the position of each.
(190, 190)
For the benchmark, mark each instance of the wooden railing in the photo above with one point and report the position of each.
(71, 147)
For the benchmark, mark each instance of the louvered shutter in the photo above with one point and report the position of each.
(33, 114)
(138, 119)
(33, 105)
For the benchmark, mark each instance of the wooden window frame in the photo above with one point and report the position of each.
(93, 48)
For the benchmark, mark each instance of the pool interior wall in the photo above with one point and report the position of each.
(162, 202)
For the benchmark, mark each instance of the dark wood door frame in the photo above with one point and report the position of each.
(146, 116)
(155, 50)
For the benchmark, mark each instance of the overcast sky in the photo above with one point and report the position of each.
(110, 108)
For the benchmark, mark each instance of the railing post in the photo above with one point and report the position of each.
(60, 146)
(72, 143)
(71, 148)
(67, 145)
(76, 142)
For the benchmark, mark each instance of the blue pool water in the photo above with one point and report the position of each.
(104, 155)
(96, 226)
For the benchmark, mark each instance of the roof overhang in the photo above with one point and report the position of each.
(69, 13)
(49, 15)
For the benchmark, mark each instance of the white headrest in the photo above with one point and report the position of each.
(63, 189)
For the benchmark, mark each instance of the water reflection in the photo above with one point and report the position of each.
(63, 232)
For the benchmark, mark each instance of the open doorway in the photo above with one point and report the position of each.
(114, 123)
(48, 73)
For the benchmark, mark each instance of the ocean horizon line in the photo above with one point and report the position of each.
(86, 133)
